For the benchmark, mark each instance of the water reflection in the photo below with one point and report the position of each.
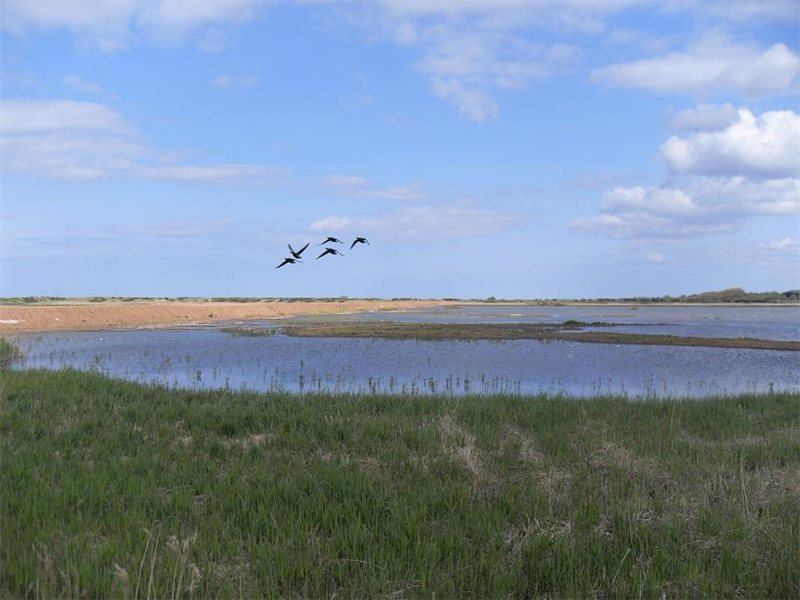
(210, 358)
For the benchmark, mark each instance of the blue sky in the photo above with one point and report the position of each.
(539, 149)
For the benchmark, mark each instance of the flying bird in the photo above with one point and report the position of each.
(360, 240)
(287, 261)
(329, 251)
(299, 252)
(332, 240)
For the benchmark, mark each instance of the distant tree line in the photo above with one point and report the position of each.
(731, 295)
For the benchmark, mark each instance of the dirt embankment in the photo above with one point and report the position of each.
(125, 315)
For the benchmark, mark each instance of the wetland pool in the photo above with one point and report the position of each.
(210, 358)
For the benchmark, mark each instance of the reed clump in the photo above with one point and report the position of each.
(8, 351)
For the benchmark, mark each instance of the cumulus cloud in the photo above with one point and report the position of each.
(113, 26)
(705, 205)
(705, 117)
(764, 146)
(713, 65)
(85, 141)
(358, 187)
(469, 50)
(453, 221)
(720, 180)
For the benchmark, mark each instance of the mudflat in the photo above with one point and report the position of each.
(568, 331)
(127, 315)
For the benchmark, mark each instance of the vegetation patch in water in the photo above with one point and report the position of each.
(567, 331)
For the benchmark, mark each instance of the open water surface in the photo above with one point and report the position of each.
(208, 357)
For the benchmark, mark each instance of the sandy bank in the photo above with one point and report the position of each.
(123, 315)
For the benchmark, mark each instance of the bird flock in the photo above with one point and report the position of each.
(297, 255)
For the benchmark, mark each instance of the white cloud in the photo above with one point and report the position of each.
(473, 103)
(468, 50)
(114, 25)
(785, 245)
(169, 21)
(632, 37)
(712, 65)
(85, 141)
(655, 257)
(82, 85)
(345, 181)
(465, 66)
(705, 117)
(704, 205)
(331, 224)
(721, 179)
(740, 10)
(405, 193)
(174, 230)
(764, 146)
(440, 222)
(661, 201)
(48, 116)
(554, 15)
(232, 81)
(357, 187)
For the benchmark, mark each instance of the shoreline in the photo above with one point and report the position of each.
(164, 314)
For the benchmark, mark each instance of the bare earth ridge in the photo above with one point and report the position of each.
(127, 315)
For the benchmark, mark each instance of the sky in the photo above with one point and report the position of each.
(485, 148)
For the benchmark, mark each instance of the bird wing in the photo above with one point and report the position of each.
(283, 263)
(290, 248)
(366, 240)
(353, 244)
(327, 251)
(301, 249)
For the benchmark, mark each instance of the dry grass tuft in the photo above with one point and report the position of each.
(461, 446)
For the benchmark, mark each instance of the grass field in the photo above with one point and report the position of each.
(116, 489)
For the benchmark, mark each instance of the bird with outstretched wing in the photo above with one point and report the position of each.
(287, 261)
(299, 252)
(329, 251)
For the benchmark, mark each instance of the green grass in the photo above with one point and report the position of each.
(117, 489)
(8, 351)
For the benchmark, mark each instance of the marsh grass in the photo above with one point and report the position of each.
(567, 331)
(110, 488)
(8, 351)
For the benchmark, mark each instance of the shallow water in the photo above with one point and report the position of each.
(211, 358)
(766, 322)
